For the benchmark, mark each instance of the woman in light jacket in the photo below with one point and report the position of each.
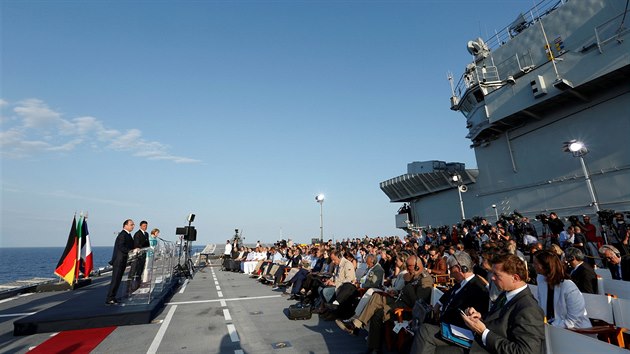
(558, 296)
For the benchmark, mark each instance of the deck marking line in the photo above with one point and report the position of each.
(160, 334)
(218, 288)
(15, 297)
(217, 300)
(223, 304)
(18, 314)
(226, 314)
(184, 286)
(233, 334)
(219, 294)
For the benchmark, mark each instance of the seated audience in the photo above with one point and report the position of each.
(560, 299)
(581, 273)
(618, 265)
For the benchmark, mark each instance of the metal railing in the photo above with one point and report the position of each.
(610, 30)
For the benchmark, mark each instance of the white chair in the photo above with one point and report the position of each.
(603, 272)
(534, 289)
(601, 308)
(562, 341)
(600, 286)
(619, 288)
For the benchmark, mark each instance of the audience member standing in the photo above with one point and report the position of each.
(556, 226)
(122, 246)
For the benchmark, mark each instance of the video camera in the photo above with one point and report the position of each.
(606, 216)
(574, 220)
(542, 218)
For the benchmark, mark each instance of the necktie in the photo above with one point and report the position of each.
(498, 304)
(453, 294)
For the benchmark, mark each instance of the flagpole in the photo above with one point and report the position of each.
(78, 263)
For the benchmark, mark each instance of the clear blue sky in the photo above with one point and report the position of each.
(238, 111)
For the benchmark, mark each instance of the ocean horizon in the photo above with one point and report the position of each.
(24, 263)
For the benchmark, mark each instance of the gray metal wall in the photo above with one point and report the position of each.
(546, 178)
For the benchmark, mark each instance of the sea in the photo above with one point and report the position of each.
(24, 263)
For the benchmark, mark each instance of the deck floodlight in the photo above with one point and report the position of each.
(578, 149)
(320, 199)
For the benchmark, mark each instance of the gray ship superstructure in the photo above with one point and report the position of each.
(559, 72)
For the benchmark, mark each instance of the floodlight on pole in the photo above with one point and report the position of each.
(578, 149)
(320, 199)
(460, 188)
(496, 213)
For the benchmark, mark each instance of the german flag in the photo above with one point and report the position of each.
(66, 267)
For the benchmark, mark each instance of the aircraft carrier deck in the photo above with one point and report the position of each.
(215, 312)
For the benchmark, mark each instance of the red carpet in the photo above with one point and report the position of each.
(77, 341)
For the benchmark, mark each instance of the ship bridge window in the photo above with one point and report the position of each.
(478, 95)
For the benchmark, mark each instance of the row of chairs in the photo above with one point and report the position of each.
(612, 312)
(607, 285)
(609, 313)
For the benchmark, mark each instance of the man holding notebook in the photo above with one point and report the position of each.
(469, 292)
(515, 322)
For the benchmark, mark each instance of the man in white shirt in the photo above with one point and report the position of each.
(227, 254)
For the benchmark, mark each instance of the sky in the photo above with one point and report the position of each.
(240, 112)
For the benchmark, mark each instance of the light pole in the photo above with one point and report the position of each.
(496, 213)
(578, 149)
(320, 199)
(460, 188)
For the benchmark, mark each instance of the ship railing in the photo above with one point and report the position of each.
(474, 76)
(611, 30)
(523, 21)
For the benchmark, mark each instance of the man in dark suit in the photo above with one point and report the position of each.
(581, 273)
(618, 265)
(515, 322)
(124, 244)
(140, 240)
(469, 291)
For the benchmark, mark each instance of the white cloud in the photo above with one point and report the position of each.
(38, 129)
(36, 114)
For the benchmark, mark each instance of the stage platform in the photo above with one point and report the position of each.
(86, 308)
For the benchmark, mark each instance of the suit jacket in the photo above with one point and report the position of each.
(625, 269)
(140, 240)
(374, 277)
(473, 294)
(568, 304)
(122, 246)
(420, 288)
(345, 273)
(585, 278)
(516, 328)
(438, 267)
